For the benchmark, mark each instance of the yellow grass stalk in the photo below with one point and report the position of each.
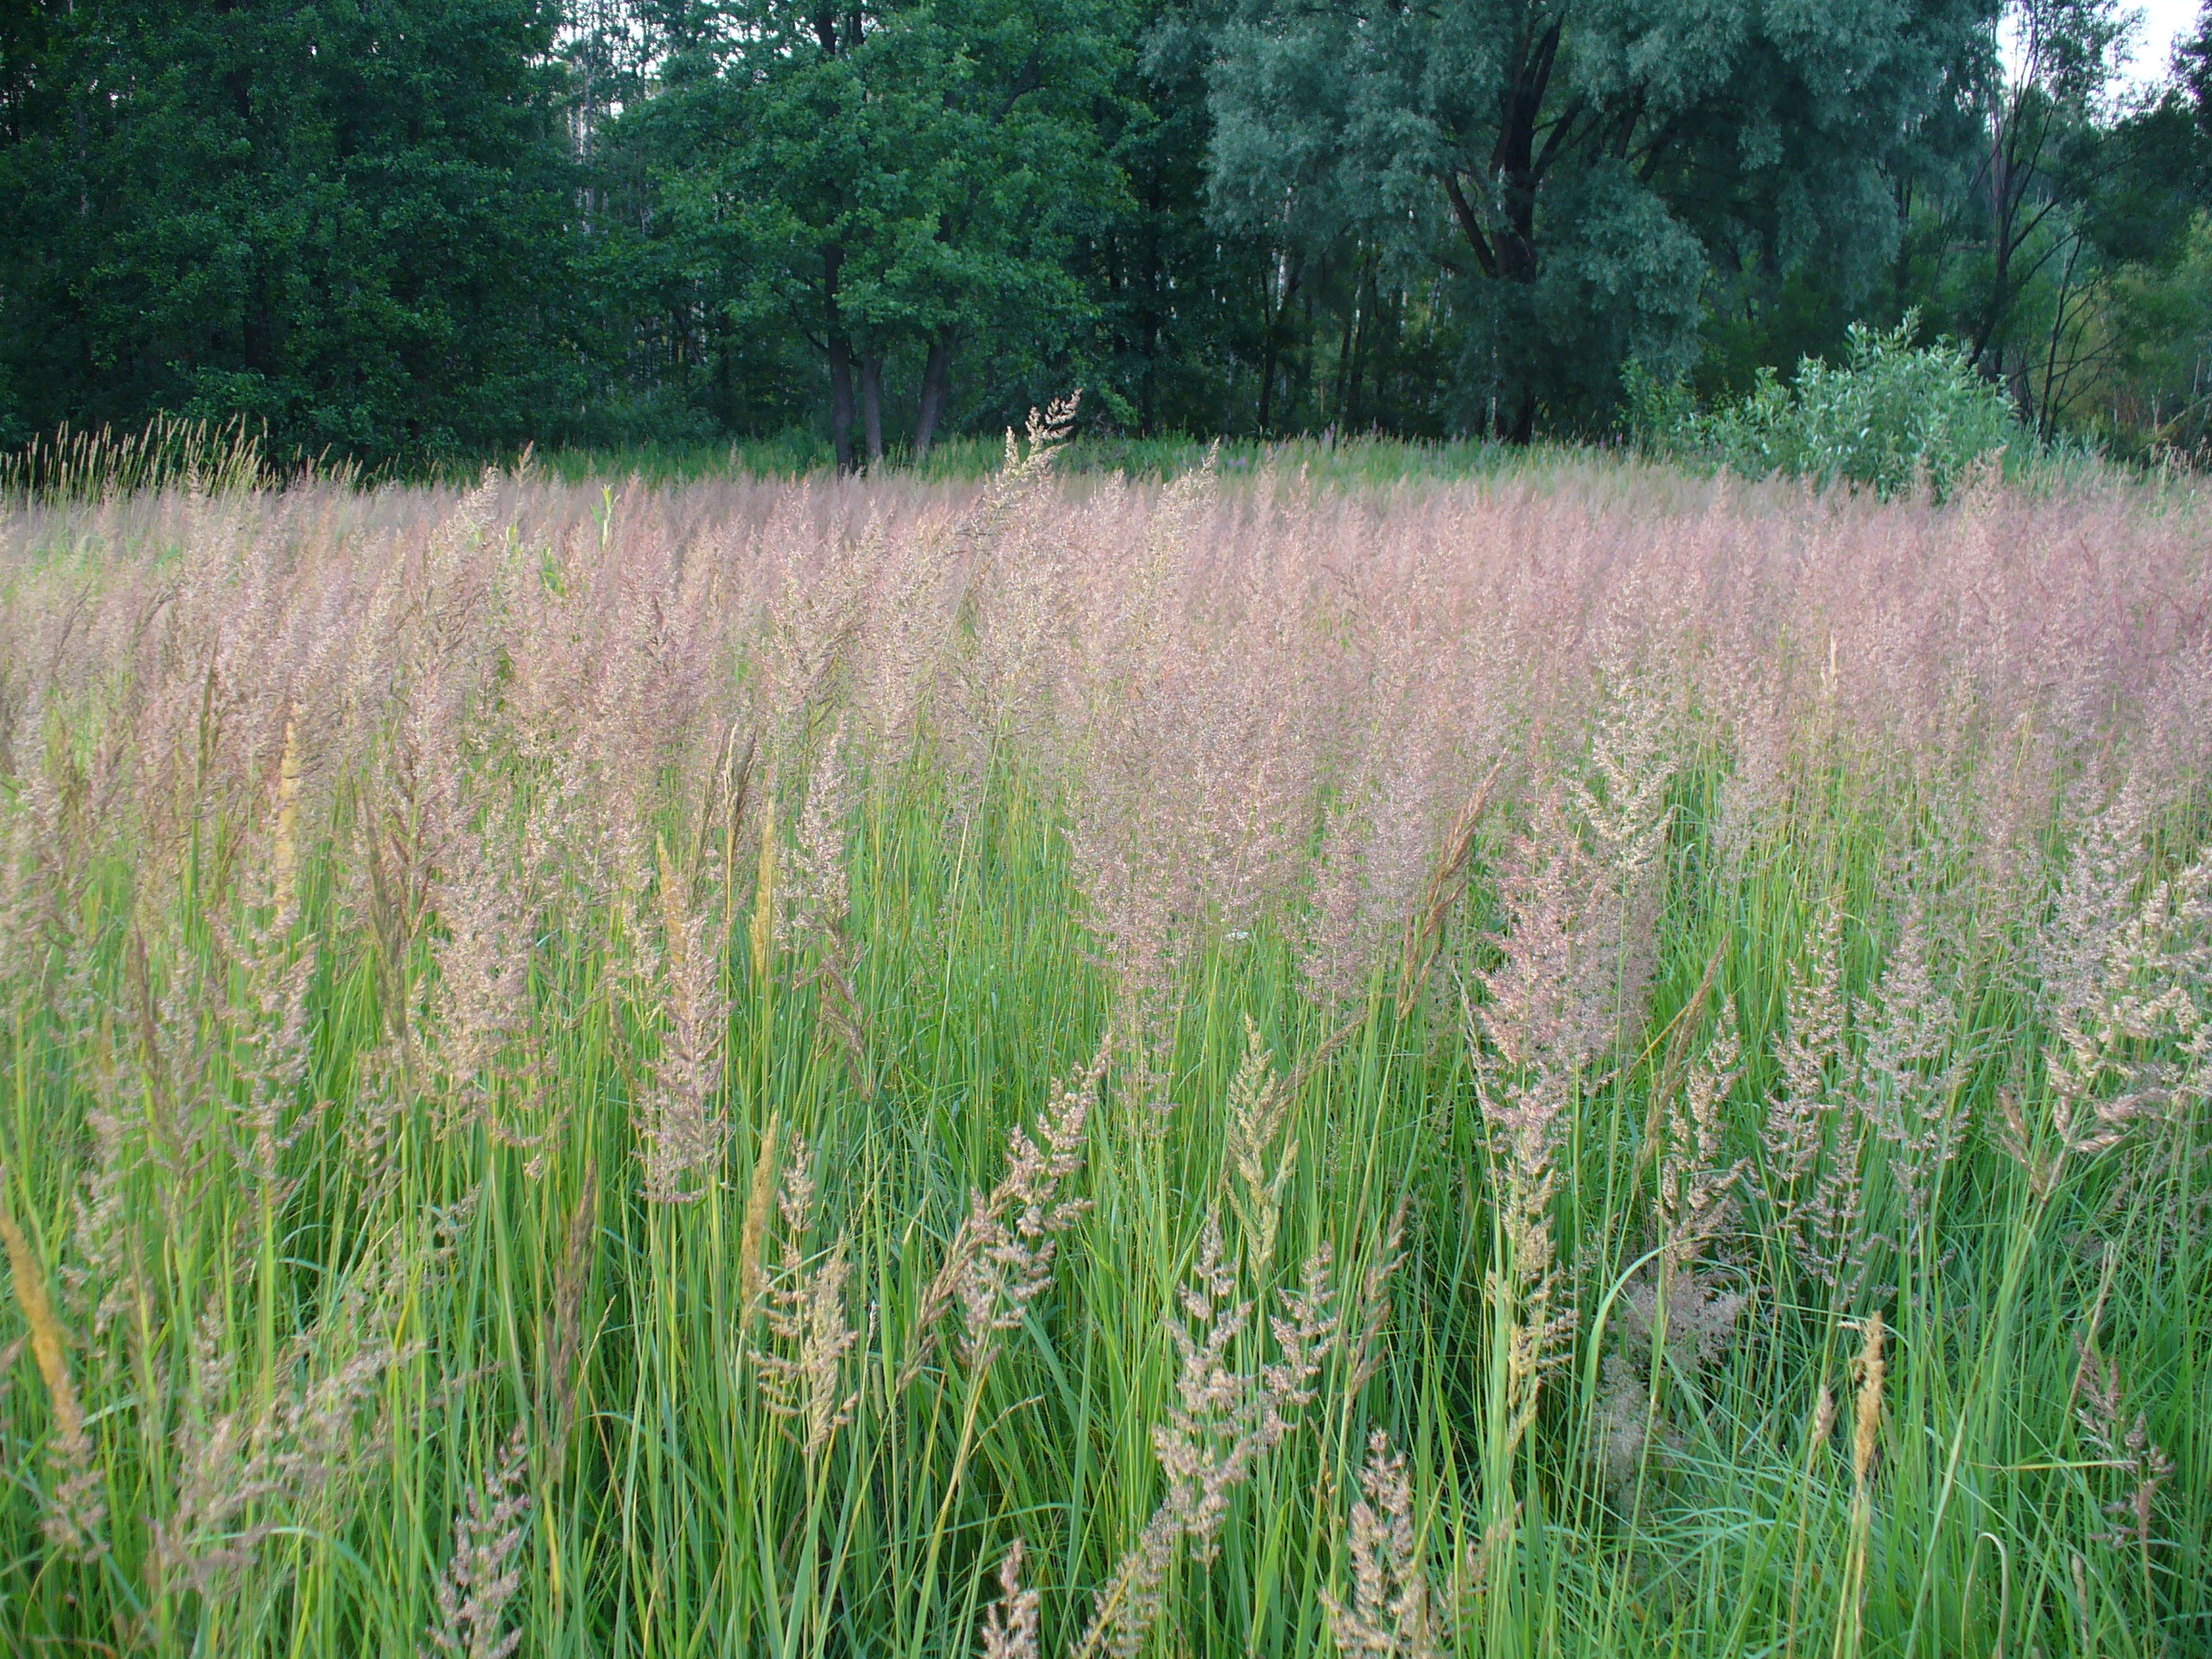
(286, 852)
(1867, 1428)
(757, 1204)
(764, 895)
(1865, 1441)
(48, 1342)
(1823, 1424)
(75, 1507)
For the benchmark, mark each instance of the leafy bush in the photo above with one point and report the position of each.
(1890, 415)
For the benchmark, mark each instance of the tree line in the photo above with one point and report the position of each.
(410, 230)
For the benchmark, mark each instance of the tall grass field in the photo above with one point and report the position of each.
(1568, 1061)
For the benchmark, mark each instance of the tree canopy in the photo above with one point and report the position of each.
(349, 220)
(1582, 170)
(401, 231)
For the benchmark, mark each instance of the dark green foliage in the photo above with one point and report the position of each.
(345, 220)
(424, 235)
(2147, 165)
(888, 188)
(1182, 313)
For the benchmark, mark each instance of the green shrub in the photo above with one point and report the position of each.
(1888, 415)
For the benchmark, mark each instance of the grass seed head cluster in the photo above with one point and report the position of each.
(1580, 1062)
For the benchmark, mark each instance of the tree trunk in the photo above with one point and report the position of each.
(936, 376)
(1903, 263)
(1278, 313)
(1346, 380)
(1988, 353)
(871, 406)
(1506, 248)
(840, 351)
(841, 400)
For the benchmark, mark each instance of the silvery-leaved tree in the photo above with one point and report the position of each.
(1586, 171)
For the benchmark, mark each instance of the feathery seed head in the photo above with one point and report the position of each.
(483, 1574)
(1010, 1627)
(1395, 1612)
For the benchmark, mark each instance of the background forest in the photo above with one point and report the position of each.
(405, 231)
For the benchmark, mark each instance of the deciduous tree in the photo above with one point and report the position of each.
(1580, 167)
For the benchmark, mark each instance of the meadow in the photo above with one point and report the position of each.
(1573, 1060)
